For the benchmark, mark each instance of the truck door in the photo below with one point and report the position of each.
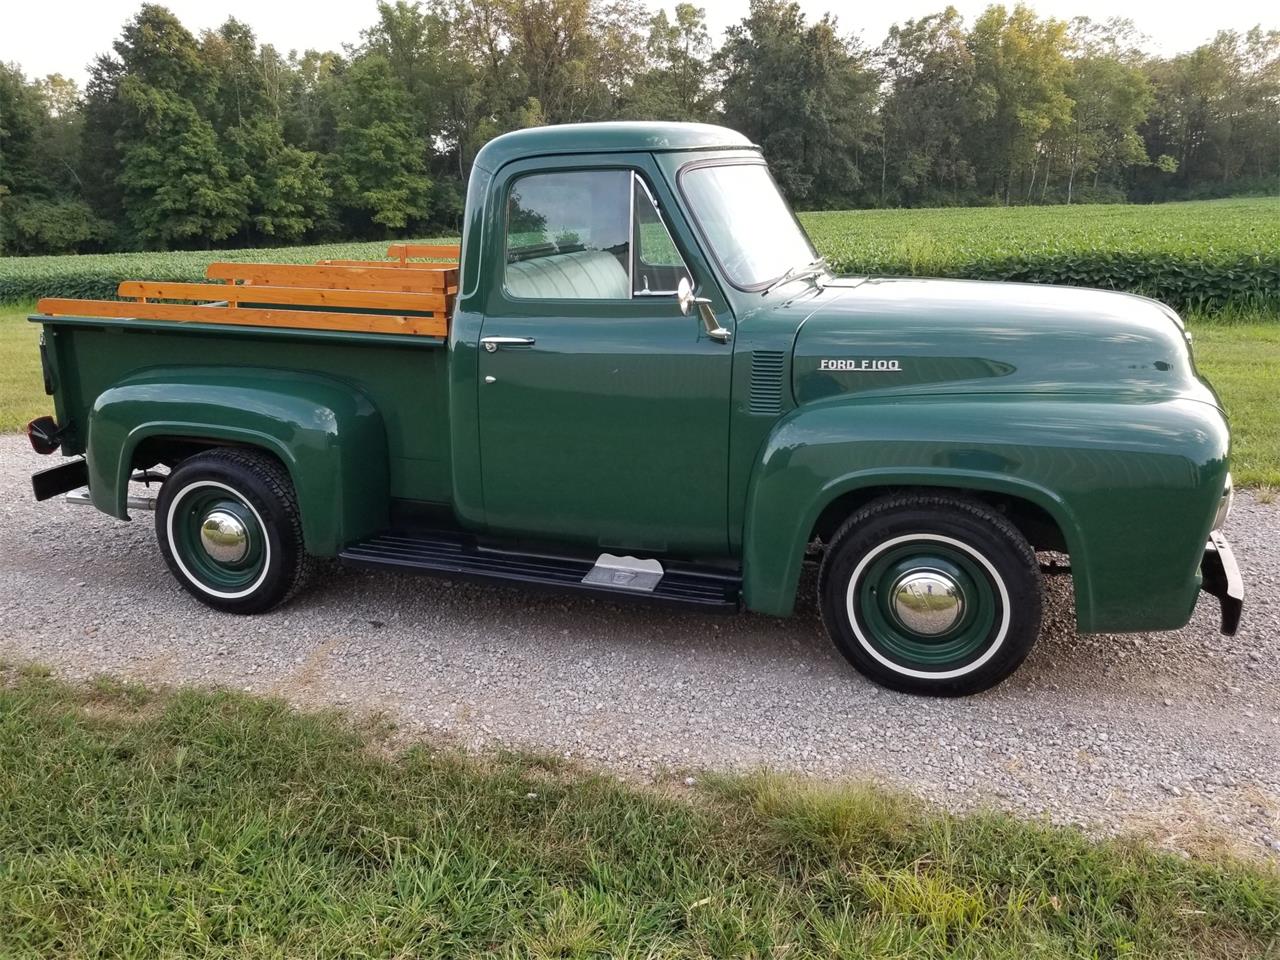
(604, 410)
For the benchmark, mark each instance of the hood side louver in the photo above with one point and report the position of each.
(766, 382)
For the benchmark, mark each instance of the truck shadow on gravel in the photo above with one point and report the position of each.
(422, 606)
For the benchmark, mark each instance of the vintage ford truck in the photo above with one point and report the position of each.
(640, 380)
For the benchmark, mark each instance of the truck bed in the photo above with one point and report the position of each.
(380, 327)
(400, 295)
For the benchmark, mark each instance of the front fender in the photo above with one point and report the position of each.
(1132, 486)
(328, 435)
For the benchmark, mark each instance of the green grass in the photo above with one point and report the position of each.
(22, 396)
(1242, 361)
(137, 823)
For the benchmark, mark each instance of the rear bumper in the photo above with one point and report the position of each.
(1220, 577)
(60, 479)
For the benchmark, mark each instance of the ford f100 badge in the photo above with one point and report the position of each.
(862, 366)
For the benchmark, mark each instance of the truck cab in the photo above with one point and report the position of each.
(647, 384)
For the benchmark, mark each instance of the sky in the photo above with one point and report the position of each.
(63, 36)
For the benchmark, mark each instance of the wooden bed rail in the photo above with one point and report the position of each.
(373, 296)
(236, 294)
(415, 278)
(435, 326)
(427, 251)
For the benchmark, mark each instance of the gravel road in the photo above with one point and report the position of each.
(1175, 736)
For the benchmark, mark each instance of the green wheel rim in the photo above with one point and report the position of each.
(886, 630)
(222, 576)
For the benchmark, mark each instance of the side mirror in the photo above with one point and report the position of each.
(687, 298)
(684, 294)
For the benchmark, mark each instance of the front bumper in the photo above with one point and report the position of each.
(1220, 577)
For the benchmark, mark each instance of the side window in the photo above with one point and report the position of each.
(568, 236)
(659, 266)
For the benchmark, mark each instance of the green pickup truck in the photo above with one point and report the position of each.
(650, 385)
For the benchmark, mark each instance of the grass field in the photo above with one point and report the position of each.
(1199, 255)
(1241, 358)
(21, 387)
(931, 240)
(136, 823)
(1195, 256)
(1242, 361)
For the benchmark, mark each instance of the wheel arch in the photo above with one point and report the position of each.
(329, 438)
(773, 557)
(1041, 528)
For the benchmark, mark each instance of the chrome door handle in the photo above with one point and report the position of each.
(493, 343)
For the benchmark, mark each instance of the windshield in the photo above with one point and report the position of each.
(749, 226)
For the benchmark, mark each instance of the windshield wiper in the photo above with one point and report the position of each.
(812, 269)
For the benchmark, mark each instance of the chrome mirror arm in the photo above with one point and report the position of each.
(687, 299)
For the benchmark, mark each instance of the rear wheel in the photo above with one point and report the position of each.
(230, 532)
(932, 594)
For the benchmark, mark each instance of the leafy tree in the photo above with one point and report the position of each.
(22, 114)
(309, 100)
(283, 186)
(575, 57)
(379, 167)
(485, 94)
(48, 225)
(287, 193)
(104, 116)
(673, 85)
(803, 93)
(157, 51)
(62, 129)
(414, 43)
(1110, 96)
(1215, 113)
(40, 209)
(1020, 75)
(237, 75)
(174, 182)
(929, 105)
(176, 185)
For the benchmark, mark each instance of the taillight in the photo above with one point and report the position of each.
(43, 433)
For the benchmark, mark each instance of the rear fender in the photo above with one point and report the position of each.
(328, 435)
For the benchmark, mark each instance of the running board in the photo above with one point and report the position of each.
(460, 556)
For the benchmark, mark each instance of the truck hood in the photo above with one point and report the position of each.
(907, 336)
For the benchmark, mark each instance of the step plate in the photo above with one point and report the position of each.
(454, 555)
(626, 573)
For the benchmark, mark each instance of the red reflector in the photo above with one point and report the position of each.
(43, 434)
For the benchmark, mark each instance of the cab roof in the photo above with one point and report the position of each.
(611, 137)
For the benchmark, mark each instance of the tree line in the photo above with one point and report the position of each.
(185, 141)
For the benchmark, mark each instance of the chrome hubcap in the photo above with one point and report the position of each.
(927, 602)
(224, 536)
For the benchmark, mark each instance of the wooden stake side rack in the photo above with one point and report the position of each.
(400, 295)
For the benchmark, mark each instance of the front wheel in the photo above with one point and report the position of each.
(932, 594)
(230, 531)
